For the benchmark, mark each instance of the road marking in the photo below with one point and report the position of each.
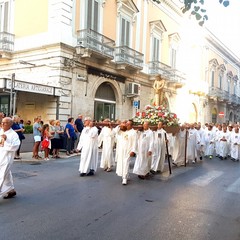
(206, 178)
(234, 187)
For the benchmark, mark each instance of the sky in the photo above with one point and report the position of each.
(224, 22)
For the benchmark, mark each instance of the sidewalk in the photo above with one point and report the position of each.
(27, 157)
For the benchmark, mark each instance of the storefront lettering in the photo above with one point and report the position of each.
(28, 87)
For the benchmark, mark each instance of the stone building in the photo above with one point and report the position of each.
(110, 58)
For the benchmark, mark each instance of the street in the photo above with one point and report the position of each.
(200, 201)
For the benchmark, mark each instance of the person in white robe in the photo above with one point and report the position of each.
(224, 141)
(159, 149)
(126, 149)
(217, 141)
(9, 144)
(143, 161)
(235, 145)
(88, 145)
(106, 140)
(231, 131)
(180, 145)
(192, 141)
(199, 148)
(208, 142)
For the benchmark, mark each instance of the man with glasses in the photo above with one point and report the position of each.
(9, 144)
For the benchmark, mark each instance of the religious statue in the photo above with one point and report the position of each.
(158, 87)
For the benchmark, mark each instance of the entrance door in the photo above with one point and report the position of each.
(104, 110)
(105, 102)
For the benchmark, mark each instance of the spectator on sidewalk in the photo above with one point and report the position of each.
(37, 129)
(19, 130)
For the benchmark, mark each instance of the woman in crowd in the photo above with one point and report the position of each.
(56, 140)
(70, 135)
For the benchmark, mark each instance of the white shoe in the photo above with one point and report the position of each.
(46, 159)
(193, 161)
(124, 181)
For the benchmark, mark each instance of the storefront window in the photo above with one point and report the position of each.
(4, 104)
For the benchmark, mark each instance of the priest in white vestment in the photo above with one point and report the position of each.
(106, 139)
(126, 149)
(88, 144)
(159, 149)
(224, 141)
(192, 141)
(180, 146)
(208, 142)
(9, 144)
(199, 147)
(143, 160)
(235, 145)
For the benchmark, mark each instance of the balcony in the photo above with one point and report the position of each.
(172, 76)
(128, 58)
(233, 100)
(218, 94)
(93, 44)
(6, 45)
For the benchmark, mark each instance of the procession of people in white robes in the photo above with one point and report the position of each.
(190, 144)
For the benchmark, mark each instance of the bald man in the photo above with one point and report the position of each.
(10, 144)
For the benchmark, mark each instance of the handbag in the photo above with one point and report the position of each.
(45, 143)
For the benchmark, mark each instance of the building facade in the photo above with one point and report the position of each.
(110, 58)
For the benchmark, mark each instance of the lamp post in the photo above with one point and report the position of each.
(11, 94)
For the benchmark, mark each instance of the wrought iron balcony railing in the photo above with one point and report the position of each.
(128, 56)
(170, 74)
(215, 92)
(234, 99)
(6, 42)
(95, 41)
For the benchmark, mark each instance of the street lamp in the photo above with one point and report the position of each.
(12, 109)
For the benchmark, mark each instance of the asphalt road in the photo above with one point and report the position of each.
(198, 202)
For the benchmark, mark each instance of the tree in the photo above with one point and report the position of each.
(197, 8)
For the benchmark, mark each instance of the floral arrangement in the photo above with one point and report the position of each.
(156, 114)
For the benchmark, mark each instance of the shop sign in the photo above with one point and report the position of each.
(34, 88)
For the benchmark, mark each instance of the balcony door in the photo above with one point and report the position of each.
(105, 102)
(4, 16)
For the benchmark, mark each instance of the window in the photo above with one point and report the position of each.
(220, 81)
(173, 56)
(155, 49)
(125, 32)
(212, 79)
(228, 85)
(4, 16)
(93, 14)
(174, 40)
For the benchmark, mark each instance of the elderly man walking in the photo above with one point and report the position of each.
(143, 160)
(9, 143)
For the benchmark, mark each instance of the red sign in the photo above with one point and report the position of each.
(221, 114)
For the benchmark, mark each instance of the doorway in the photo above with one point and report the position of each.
(105, 103)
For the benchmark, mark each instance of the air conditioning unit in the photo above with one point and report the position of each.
(133, 89)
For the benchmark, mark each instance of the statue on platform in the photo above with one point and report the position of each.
(158, 87)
